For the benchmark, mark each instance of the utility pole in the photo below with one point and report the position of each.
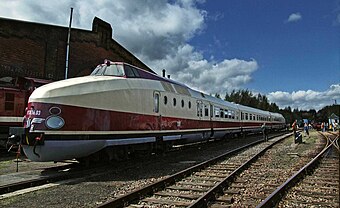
(68, 44)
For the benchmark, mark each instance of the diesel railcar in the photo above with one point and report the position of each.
(120, 108)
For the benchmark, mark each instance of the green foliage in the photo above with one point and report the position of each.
(247, 98)
(324, 113)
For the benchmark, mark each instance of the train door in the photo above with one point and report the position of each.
(211, 125)
(156, 110)
(199, 109)
(211, 112)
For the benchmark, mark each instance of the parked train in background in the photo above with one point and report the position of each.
(121, 109)
(14, 94)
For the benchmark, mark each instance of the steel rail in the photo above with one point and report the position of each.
(273, 199)
(157, 186)
(218, 188)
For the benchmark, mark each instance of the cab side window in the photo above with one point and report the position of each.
(131, 71)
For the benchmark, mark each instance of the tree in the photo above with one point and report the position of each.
(217, 95)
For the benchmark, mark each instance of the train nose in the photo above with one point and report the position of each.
(59, 150)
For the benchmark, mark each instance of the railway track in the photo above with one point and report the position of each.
(19, 181)
(199, 185)
(314, 185)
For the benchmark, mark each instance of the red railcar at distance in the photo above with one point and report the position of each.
(14, 94)
(120, 109)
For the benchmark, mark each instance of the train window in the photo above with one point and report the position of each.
(111, 70)
(189, 104)
(156, 102)
(242, 117)
(206, 110)
(135, 71)
(182, 103)
(165, 100)
(250, 116)
(246, 116)
(217, 112)
(254, 117)
(129, 71)
(222, 113)
(199, 109)
(174, 101)
(9, 101)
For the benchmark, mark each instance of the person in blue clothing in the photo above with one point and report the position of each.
(305, 128)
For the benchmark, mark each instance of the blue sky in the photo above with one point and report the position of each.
(295, 55)
(287, 50)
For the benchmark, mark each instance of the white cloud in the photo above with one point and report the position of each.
(157, 32)
(306, 99)
(294, 17)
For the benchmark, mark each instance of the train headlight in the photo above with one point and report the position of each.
(54, 122)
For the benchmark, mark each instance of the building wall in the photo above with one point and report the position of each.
(39, 50)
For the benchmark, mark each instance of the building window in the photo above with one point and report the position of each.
(9, 101)
(174, 101)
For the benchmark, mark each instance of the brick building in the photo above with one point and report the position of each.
(39, 50)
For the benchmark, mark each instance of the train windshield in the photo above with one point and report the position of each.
(111, 70)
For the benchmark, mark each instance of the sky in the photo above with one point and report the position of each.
(287, 50)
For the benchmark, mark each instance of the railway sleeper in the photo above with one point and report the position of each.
(317, 194)
(225, 199)
(196, 184)
(296, 203)
(213, 169)
(312, 183)
(205, 178)
(325, 188)
(211, 175)
(166, 202)
(180, 195)
(183, 188)
(232, 191)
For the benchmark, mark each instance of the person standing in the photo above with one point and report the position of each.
(306, 129)
(265, 132)
(294, 127)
